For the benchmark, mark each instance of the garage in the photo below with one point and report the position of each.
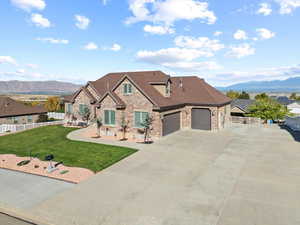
(171, 123)
(201, 119)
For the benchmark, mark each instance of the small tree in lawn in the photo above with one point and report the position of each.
(147, 124)
(99, 125)
(124, 126)
(85, 114)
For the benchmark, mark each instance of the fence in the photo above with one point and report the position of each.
(4, 128)
(55, 115)
(246, 120)
(293, 123)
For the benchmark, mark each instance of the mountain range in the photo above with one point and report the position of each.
(288, 85)
(37, 87)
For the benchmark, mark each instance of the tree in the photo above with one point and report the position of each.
(99, 125)
(233, 94)
(85, 114)
(262, 96)
(42, 118)
(53, 104)
(124, 126)
(147, 124)
(293, 96)
(268, 109)
(244, 95)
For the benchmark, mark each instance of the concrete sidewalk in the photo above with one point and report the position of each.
(242, 175)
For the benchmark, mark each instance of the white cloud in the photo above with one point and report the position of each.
(240, 51)
(28, 5)
(32, 66)
(263, 74)
(177, 58)
(240, 35)
(169, 11)
(265, 9)
(288, 6)
(53, 40)
(90, 46)
(7, 60)
(104, 2)
(20, 71)
(40, 21)
(82, 22)
(203, 43)
(264, 33)
(218, 33)
(158, 29)
(116, 47)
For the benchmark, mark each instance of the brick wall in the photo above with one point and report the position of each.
(82, 98)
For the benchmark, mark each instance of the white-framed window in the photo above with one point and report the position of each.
(139, 118)
(127, 89)
(109, 117)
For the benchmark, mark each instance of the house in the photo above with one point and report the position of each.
(240, 107)
(13, 112)
(283, 100)
(174, 103)
(294, 107)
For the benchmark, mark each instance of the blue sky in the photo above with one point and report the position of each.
(82, 40)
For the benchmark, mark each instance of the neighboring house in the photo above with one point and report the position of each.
(174, 103)
(294, 107)
(283, 100)
(240, 107)
(13, 112)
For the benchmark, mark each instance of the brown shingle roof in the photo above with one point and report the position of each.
(187, 90)
(10, 107)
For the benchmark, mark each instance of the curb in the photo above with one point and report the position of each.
(22, 216)
(53, 178)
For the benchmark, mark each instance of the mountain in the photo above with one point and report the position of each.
(37, 87)
(288, 85)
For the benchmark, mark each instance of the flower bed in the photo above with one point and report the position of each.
(38, 167)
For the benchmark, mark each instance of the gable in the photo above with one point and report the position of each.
(108, 102)
(237, 110)
(136, 98)
(93, 92)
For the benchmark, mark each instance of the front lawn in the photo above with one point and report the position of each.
(52, 140)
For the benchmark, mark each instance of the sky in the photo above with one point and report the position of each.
(224, 42)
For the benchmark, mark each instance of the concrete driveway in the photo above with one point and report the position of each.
(239, 176)
(23, 191)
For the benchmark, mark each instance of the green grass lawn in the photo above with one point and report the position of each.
(52, 140)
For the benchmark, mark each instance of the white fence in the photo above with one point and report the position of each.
(55, 115)
(293, 123)
(4, 128)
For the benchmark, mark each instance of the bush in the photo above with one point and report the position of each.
(42, 118)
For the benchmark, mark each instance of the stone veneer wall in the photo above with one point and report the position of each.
(82, 98)
(21, 120)
(134, 102)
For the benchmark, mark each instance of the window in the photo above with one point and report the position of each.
(14, 119)
(82, 107)
(69, 108)
(139, 118)
(109, 117)
(127, 89)
(29, 119)
(168, 89)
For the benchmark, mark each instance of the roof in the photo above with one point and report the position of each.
(10, 107)
(284, 100)
(242, 104)
(186, 90)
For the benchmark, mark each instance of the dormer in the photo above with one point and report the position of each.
(164, 88)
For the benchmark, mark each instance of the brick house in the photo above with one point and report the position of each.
(13, 112)
(173, 102)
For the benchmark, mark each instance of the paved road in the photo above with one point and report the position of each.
(24, 191)
(237, 176)
(8, 220)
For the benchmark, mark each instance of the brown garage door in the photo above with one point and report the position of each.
(171, 123)
(201, 119)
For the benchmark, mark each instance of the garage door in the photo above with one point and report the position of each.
(201, 119)
(171, 123)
